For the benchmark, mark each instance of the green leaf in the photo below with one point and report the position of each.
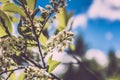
(46, 26)
(10, 7)
(43, 39)
(21, 77)
(12, 77)
(13, 19)
(52, 64)
(7, 23)
(2, 31)
(62, 19)
(3, 1)
(31, 4)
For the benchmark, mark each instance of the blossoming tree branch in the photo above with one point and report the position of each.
(16, 51)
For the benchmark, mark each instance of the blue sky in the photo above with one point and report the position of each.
(97, 20)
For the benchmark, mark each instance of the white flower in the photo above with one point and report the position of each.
(60, 41)
(34, 72)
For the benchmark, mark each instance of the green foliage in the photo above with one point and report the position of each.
(31, 3)
(3, 1)
(13, 18)
(10, 7)
(62, 19)
(8, 24)
(52, 64)
(13, 77)
(43, 39)
(2, 31)
(12, 74)
(15, 51)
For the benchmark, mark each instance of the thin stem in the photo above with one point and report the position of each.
(44, 24)
(55, 77)
(9, 75)
(11, 70)
(31, 61)
(35, 12)
(25, 57)
(37, 40)
(86, 68)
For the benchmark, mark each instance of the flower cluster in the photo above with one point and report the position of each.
(53, 7)
(60, 41)
(20, 43)
(57, 4)
(7, 46)
(34, 73)
(5, 62)
(11, 45)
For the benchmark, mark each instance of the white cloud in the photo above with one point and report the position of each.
(80, 21)
(108, 36)
(107, 9)
(104, 9)
(114, 3)
(98, 56)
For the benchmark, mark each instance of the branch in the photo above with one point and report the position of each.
(35, 12)
(39, 66)
(44, 24)
(55, 77)
(9, 75)
(11, 70)
(86, 68)
(33, 30)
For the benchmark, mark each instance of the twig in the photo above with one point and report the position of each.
(86, 68)
(35, 12)
(11, 70)
(55, 77)
(37, 40)
(31, 60)
(43, 25)
(9, 75)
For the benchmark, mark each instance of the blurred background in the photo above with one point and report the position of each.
(96, 24)
(95, 52)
